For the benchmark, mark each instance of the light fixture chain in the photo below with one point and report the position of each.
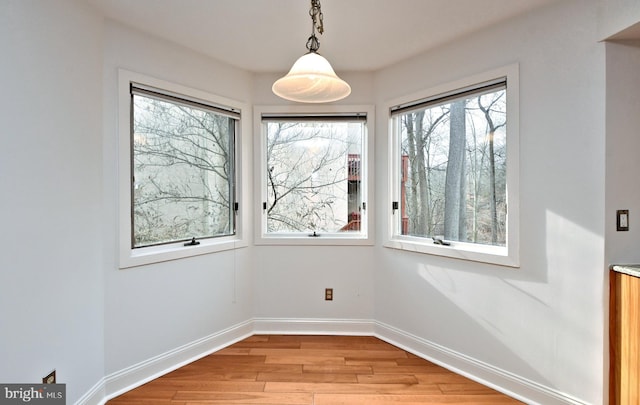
(316, 23)
(316, 17)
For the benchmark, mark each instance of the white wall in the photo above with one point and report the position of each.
(64, 303)
(543, 322)
(623, 146)
(153, 309)
(51, 280)
(290, 280)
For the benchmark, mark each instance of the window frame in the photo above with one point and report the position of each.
(133, 257)
(508, 255)
(261, 237)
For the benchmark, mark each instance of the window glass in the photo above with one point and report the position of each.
(183, 170)
(453, 168)
(314, 176)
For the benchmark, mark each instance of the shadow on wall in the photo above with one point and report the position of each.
(536, 322)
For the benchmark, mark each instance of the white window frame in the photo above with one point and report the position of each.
(508, 255)
(130, 257)
(261, 237)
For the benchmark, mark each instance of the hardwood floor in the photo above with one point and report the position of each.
(311, 370)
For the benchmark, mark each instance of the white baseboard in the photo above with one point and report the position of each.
(302, 326)
(503, 381)
(131, 377)
(513, 385)
(95, 396)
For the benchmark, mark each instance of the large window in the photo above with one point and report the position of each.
(314, 177)
(451, 162)
(182, 169)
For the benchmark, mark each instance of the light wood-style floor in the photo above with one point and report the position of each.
(311, 370)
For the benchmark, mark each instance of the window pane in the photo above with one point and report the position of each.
(314, 176)
(453, 170)
(183, 164)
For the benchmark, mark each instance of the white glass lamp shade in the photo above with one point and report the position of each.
(311, 80)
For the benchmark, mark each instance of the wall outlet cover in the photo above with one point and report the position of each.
(49, 378)
(622, 220)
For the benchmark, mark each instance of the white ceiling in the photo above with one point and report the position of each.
(269, 35)
(632, 33)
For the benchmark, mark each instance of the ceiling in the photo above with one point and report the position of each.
(269, 35)
(632, 33)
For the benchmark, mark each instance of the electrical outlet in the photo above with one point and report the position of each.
(622, 220)
(50, 378)
(328, 294)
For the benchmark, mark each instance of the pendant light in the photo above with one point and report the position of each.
(311, 78)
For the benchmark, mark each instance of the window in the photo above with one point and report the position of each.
(183, 169)
(314, 177)
(181, 177)
(455, 171)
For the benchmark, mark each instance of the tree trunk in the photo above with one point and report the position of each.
(454, 192)
(492, 171)
(423, 186)
(412, 192)
(492, 186)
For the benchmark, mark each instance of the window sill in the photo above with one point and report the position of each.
(498, 255)
(157, 254)
(322, 240)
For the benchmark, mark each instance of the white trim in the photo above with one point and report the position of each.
(504, 256)
(315, 326)
(332, 239)
(137, 257)
(131, 377)
(504, 381)
(95, 396)
(260, 237)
